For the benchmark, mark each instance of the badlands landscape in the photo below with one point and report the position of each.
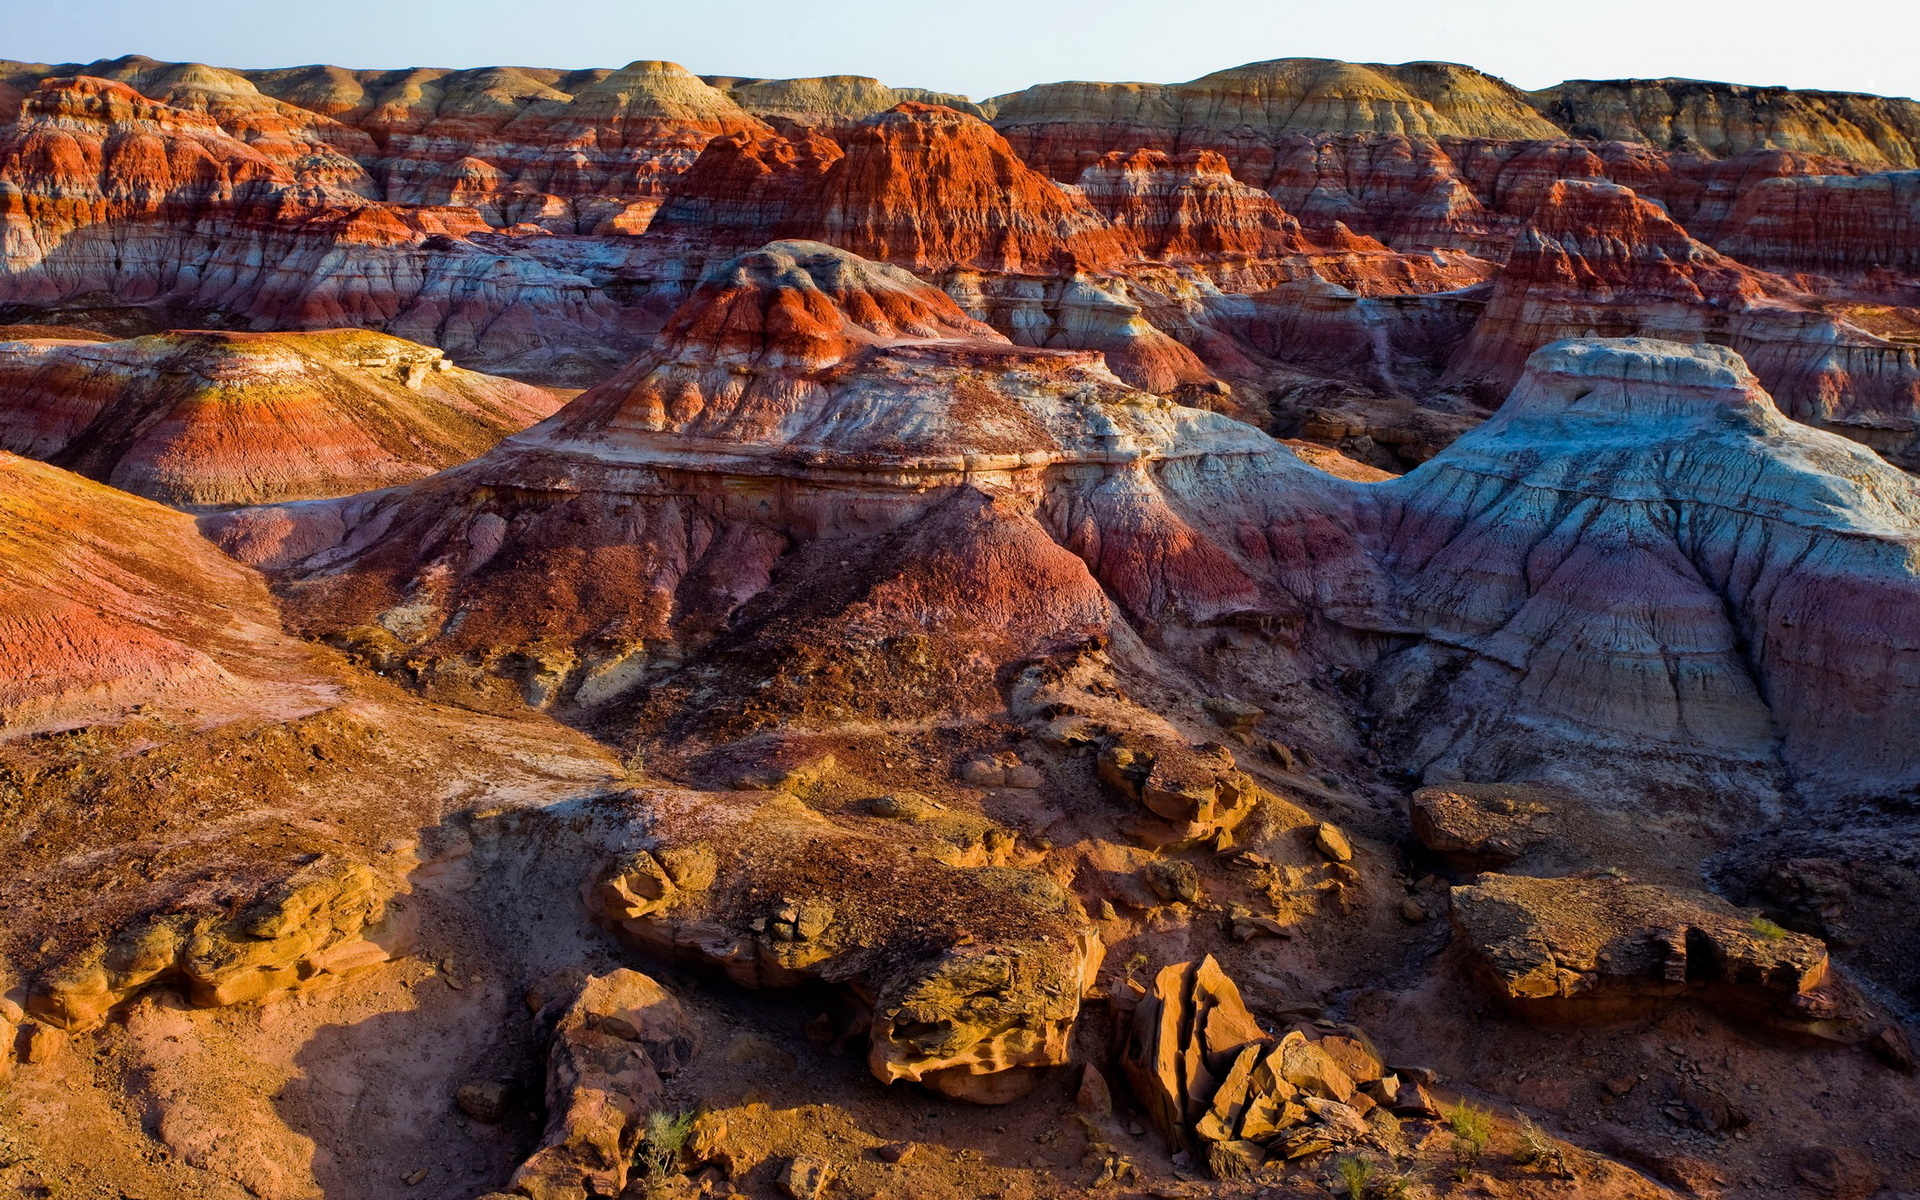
(1328, 630)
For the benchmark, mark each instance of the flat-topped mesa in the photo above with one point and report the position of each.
(1724, 119)
(1246, 112)
(1639, 559)
(830, 104)
(208, 418)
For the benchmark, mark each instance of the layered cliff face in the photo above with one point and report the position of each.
(1723, 119)
(239, 418)
(1848, 226)
(831, 105)
(883, 633)
(119, 202)
(1595, 258)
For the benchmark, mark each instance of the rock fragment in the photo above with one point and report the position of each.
(620, 1034)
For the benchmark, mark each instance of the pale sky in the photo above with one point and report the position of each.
(984, 47)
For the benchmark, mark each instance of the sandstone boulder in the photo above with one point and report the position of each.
(1212, 1082)
(1196, 789)
(1479, 826)
(613, 1043)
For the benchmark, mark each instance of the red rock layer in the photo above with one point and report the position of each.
(1829, 224)
(804, 407)
(1188, 207)
(246, 418)
(113, 601)
(930, 189)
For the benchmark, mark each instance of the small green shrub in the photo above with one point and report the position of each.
(1354, 1173)
(1766, 930)
(1472, 1130)
(666, 1136)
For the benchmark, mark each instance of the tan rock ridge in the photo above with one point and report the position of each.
(206, 418)
(331, 918)
(1724, 119)
(1244, 112)
(614, 1042)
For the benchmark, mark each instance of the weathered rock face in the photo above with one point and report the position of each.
(330, 919)
(972, 976)
(860, 404)
(1210, 1079)
(614, 1042)
(832, 104)
(1479, 826)
(1568, 950)
(930, 189)
(1638, 542)
(1724, 119)
(243, 418)
(1596, 258)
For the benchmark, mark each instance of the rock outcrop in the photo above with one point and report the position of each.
(330, 919)
(1842, 225)
(863, 405)
(110, 193)
(613, 1043)
(831, 105)
(1479, 826)
(972, 976)
(1596, 258)
(1570, 950)
(1212, 1081)
(207, 418)
(1244, 113)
